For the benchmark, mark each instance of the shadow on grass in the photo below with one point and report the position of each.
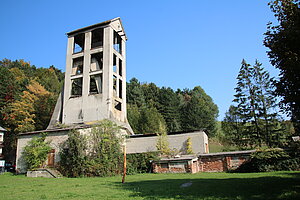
(230, 188)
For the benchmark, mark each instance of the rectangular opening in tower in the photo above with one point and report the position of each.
(79, 43)
(117, 42)
(118, 105)
(120, 67)
(114, 85)
(120, 88)
(77, 67)
(96, 84)
(115, 64)
(76, 90)
(97, 38)
(96, 62)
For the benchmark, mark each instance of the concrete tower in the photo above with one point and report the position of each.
(95, 78)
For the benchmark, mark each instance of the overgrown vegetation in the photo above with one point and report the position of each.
(97, 153)
(141, 162)
(274, 159)
(36, 151)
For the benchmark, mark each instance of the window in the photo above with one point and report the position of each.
(118, 105)
(77, 67)
(120, 89)
(117, 42)
(97, 38)
(115, 85)
(115, 64)
(96, 84)
(96, 62)
(79, 43)
(76, 87)
(120, 67)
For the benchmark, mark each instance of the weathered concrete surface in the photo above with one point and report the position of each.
(146, 143)
(46, 173)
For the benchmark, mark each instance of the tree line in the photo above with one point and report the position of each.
(151, 109)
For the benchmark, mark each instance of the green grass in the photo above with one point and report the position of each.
(274, 185)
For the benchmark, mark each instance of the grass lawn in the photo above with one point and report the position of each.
(274, 185)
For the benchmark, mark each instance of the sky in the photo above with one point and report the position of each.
(172, 43)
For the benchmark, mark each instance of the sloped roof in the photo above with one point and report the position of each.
(96, 25)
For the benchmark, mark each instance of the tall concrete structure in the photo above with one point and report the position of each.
(95, 78)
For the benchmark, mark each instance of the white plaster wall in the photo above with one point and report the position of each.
(178, 141)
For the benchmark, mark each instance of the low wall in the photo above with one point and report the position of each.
(222, 162)
(147, 143)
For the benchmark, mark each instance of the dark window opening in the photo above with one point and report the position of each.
(117, 42)
(118, 105)
(115, 85)
(77, 67)
(120, 67)
(79, 43)
(97, 38)
(96, 84)
(115, 64)
(96, 62)
(76, 87)
(164, 165)
(120, 89)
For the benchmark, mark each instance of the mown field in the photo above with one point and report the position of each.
(274, 185)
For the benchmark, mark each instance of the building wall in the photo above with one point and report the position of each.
(178, 141)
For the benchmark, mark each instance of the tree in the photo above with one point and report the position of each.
(198, 111)
(253, 120)
(283, 40)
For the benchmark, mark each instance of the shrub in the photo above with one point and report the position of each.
(140, 162)
(274, 159)
(98, 154)
(36, 151)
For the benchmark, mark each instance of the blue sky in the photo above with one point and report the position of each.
(178, 44)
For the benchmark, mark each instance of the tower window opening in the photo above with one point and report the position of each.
(115, 85)
(117, 42)
(79, 43)
(77, 67)
(76, 87)
(120, 89)
(96, 84)
(115, 64)
(118, 105)
(120, 67)
(97, 38)
(96, 62)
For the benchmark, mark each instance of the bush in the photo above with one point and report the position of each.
(140, 162)
(98, 154)
(36, 151)
(266, 160)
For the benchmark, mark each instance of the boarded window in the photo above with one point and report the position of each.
(97, 38)
(96, 84)
(79, 43)
(96, 62)
(76, 87)
(77, 67)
